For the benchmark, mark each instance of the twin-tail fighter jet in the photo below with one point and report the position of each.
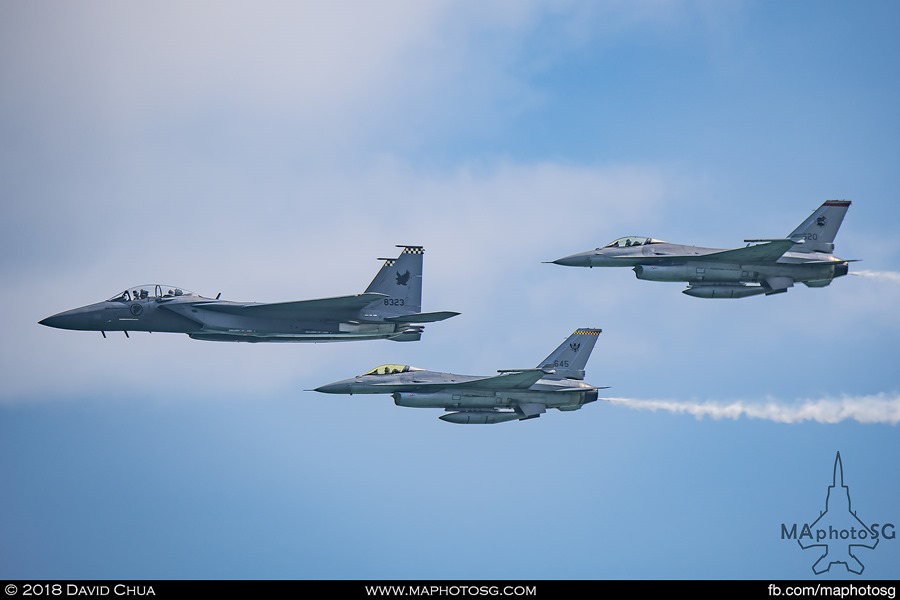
(390, 308)
(516, 394)
(768, 266)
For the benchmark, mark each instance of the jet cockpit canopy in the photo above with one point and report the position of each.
(391, 370)
(153, 290)
(626, 242)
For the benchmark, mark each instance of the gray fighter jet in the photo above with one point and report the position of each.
(516, 394)
(390, 308)
(768, 266)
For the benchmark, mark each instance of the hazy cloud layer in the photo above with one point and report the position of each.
(272, 151)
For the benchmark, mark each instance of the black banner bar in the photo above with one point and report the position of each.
(513, 589)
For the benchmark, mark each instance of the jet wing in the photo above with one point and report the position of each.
(769, 251)
(766, 252)
(511, 380)
(521, 380)
(296, 310)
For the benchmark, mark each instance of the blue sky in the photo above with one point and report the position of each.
(273, 150)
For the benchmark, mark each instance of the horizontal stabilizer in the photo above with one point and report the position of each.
(297, 310)
(429, 317)
(580, 389)
(831, 262)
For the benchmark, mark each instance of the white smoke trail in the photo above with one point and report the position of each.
(880, 275)
(878, 408)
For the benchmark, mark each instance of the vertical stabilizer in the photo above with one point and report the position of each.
(820, 228)
(401, 280)
(572, 355)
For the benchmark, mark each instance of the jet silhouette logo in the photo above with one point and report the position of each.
(821, 221)
(403, 279)
(838, 532)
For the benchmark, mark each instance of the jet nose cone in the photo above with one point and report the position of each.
(582, 259)
(338, 387)
(59, 321)
(85, 318)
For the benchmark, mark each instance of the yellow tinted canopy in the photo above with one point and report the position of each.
(390, 370)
